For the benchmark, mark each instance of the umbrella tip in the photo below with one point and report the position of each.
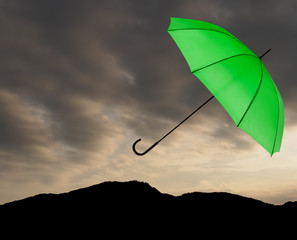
(265, 53)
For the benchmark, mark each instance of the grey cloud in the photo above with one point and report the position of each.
(23, 128)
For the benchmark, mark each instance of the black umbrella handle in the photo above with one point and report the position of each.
(156, 143)
(145, 152)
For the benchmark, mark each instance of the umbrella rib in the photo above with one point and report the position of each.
(277, 122)
(256, 93)
(196, 70)
(206, 29)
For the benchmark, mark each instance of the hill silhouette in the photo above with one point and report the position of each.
(125, 208)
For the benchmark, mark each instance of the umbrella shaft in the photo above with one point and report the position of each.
(186, 118)
(156, 143)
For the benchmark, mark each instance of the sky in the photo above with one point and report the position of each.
(80, 81)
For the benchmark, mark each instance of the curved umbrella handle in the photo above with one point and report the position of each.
(145, 152)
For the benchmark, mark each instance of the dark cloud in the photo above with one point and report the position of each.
(22, 130)
(78, 77)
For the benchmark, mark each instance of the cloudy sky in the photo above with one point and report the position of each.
(80, 81)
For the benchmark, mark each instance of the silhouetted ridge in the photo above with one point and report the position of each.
(114, 207)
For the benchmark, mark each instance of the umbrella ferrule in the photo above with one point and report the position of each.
(265, 53)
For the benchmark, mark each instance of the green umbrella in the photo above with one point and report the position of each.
(235, 76)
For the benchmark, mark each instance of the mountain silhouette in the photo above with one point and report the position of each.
(127, 208)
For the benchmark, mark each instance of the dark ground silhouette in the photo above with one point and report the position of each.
(135, 209)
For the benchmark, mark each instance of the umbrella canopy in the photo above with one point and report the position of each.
(235, 76)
